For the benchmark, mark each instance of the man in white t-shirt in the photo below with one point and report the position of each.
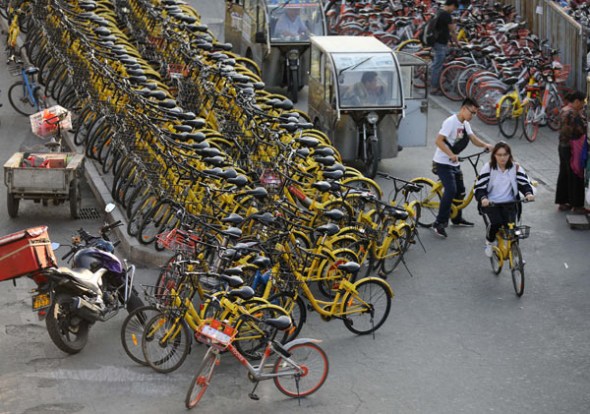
(447, 164)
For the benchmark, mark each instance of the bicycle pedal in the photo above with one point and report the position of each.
(253, 396)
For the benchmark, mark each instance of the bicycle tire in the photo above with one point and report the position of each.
(316, 367)
(506, 121)
(132, 332)
(530, 120)
(201, 380)
(397, 247)
(136, 217)
(487, 100)
(517, 269)
(154, 222)
(370, 297)
(496, 261)
(17, 98)
(329, 274)
(429, 201)
(448, 82)
(553, 111)
(169, 356)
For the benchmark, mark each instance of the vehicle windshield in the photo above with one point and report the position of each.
(367, 80)
(294, 21)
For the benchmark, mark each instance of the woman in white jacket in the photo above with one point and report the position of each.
(498, 186)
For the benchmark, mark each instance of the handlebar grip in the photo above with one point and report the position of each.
(68, 254)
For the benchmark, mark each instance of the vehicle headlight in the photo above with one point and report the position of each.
(293, 54)
(372, 117)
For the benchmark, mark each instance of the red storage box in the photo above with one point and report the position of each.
(25, 252)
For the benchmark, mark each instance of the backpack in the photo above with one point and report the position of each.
(429, 33)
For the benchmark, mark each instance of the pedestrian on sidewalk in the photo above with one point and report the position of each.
(446, 31)
(498, 186)
(569, 194)
(452, 138)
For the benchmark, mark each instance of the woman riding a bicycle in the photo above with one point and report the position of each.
(498, 187)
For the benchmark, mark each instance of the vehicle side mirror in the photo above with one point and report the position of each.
(260, 37)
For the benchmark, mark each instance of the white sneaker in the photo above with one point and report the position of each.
(488, 249)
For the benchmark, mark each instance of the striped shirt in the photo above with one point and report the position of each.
(502, 186)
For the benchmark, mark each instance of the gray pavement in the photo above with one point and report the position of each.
(457, 339)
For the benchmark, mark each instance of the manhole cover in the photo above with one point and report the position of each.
(89, 213)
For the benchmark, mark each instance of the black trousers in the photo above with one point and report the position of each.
(497, 216)
(570, 187)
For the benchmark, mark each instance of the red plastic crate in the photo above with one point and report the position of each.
(25, 252)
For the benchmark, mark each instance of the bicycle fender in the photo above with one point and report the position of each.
(430, 180)
(300, 341)
(378, 280)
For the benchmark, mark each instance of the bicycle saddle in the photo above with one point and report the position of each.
(240, 180)
(31, 70)
(167, 103)
(334, 214)
(196, 123)
(322, 186)
(396, 212)
(281, 323)
(323, 151)
(333, 175)
(261, 262)
(232, 280)
(216, 161)
(245, 292)
(137, 79)
(182, 128)
(233, 218)
(264, 218)
(232, 232)
(329, 229)
(199, 146)
(87, 6)
(511, 81)
(234, 271)
(222, 46)
(328, 160)
(336, 167)
(208, 151)
(303, 152)
(258, 85)
(197, 27)
(308, 141)
(102, 31)
(349, 267)
(258, 192)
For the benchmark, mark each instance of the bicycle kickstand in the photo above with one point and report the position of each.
(253, 396)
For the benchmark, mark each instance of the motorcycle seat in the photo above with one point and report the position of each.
(85, 277)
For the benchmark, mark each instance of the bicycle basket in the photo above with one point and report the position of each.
(177, 239)
(518, 232)
(216, 334)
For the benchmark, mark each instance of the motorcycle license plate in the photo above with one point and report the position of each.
(41, 301)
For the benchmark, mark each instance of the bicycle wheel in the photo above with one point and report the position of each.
(366, 309)
(429, 199)
(201, 380)
(553, 110)
(496, 261)
(309, 374)
(530, 120)
(517, 269)
(398, 246)
(18, 98)
(448, 82)
(506, 121)
(132, 332)
(166, 343)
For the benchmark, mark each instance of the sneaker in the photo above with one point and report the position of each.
(488, 249)
(439, 231)
(462, 222)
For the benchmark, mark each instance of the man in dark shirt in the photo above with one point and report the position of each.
(446, 32)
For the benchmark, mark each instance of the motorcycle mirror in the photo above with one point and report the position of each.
(55, 246)
(109, 207)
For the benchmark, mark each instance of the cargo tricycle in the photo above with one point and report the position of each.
(43, 177)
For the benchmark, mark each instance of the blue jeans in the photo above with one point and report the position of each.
(452, 181)
(440, 54)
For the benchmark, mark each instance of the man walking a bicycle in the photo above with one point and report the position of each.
(452, 138)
